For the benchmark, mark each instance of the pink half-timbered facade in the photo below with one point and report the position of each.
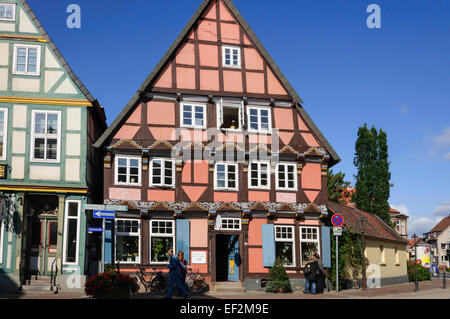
(216, 156)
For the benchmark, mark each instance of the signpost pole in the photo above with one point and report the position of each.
(103, 247)
(337, 263)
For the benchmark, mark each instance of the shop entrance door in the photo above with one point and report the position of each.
(43, 245)
(227, 258)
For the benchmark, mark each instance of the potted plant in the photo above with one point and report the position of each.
(278, 279)
(111, 285)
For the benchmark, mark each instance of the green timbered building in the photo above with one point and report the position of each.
(48, 166)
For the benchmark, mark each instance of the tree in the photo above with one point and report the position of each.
(373, 178)
(336, 186)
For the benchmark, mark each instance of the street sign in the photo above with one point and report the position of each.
(117, 208)
(104, 214)
(95, 229)
(337, 220)
(93, 207)
(337, 231)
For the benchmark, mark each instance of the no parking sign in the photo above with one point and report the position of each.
(337, 220)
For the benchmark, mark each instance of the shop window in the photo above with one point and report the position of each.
(128, 235)
(309, 243)
(71, 232)
(284, 245)
(162, 236)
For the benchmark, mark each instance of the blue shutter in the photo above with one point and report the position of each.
(326, 249)
(183, 238)
(268, 243)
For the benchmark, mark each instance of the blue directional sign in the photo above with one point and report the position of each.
(337, 220)
(104, 214)
(95, 229)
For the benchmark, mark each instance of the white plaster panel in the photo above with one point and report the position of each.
(3, 79)
(50, 60)
(51, 77)
(66, 88)
(4, 53)
(18, 142)
(73, 144)
(45, 173)
(20, 116)
(26, 85)
(73, 169)
(25, 23)
(74, 119)
(9, 27)
(18, 168)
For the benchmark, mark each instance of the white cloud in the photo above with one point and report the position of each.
(442, 210)
(422, 225)
(440, 144)
(401, 208)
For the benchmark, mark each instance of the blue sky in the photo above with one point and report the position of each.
(395, 78)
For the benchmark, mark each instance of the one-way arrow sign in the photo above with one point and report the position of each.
(104, 214)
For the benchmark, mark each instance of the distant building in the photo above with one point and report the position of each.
(439, 240)
(423, 251)
(400, 221)
(385, 250)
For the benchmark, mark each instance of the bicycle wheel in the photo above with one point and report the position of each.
(194, 285)
(161, 284)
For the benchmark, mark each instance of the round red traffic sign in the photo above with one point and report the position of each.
(337, 220)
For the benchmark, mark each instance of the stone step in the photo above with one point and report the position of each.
(228, 287)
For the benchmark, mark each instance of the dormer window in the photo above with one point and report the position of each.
(231, 57)
(7, 11)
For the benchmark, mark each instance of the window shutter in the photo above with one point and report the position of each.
(326, 249)
(268, 243)
(183, 238)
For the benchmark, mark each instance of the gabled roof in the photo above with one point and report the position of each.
(442, 225)
(375, 227)
(63, 62)
(156, 71)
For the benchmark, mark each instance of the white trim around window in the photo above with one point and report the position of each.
(228, 223)
(45, 134)
(5, 11)
(261, 175)
(162, 176)
(27, 59)
(129, 163)
(67, 224)
(2, 234)
(165, 229)
(128, 228)
(285, 234)
(223, 179)
(193, 115)
(231, 56)
(259, 119)
(3, 133)
(309, 234)
(286, 176)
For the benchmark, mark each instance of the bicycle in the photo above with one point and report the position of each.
(157, 283)
(195, 282)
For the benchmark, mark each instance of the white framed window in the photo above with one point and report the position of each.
(45, 136)
(2, 230)
(259, 175)
(259, 119)
(226, 176)
(162, 238)
(230, 116)
(162, 172)
(27, 59)
(285, 244)
(127, 170)
(231, 56)
(286, 176)
(71, 245)
(7, 11)
(193, 115)
(3, 132)
(127, 241)
(309, 243)
(230, 223)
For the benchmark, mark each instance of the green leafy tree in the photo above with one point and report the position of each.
(373, 177)
(336, 186)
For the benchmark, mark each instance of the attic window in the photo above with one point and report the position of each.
(229, 116)
(7, 11)
(231, 57)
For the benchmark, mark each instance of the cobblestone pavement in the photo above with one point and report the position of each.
(427, 290)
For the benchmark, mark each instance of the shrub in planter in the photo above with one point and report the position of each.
(278, 279)
(110, 285)
(422, 273)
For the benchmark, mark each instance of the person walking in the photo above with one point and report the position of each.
(320, 284)
(183, 270)
(312, 273)
(174, 276)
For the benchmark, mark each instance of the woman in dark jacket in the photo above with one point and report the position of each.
(320, 283)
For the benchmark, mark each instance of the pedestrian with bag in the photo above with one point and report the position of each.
(174, 276)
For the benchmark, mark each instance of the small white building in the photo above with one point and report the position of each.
(439, 240)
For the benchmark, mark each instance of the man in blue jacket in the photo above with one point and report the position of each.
(174, 276)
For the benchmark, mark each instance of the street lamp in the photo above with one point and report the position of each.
(416, 289)
(362, 222)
